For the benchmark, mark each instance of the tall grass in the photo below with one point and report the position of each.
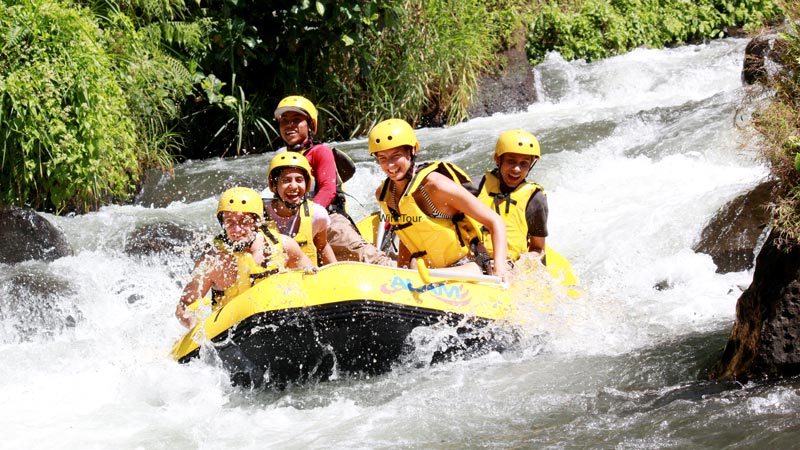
(779, 127)
(425, 63)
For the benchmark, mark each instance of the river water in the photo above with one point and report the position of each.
(639, 151)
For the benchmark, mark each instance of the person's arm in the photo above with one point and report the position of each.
(295, 258)
(321, 221)
(450, 198)
(536, 213)
(324, 248)
(536, 244)
(323, 167)
(213, 269)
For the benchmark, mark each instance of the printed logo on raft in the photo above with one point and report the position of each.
(402, 218)
(452, 295)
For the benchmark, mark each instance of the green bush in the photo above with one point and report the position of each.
(91, 96)
(67, 141)
(596, 29)
(154, 82)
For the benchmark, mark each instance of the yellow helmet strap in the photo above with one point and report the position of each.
(291, 206)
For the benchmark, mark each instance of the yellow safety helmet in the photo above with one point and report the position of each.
(518, 141)
(241, 199)
(391, 133)
(298, 104)
(289, 159)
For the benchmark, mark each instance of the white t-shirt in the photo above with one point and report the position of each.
(320, 220)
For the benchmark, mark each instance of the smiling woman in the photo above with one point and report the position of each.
(292, 213)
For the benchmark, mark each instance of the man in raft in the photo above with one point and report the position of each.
(522, 204)
(297, 122)
(435, 217)
(245, 252)
(289, 177)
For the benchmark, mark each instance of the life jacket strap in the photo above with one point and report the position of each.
(257, 276)
(499, 197)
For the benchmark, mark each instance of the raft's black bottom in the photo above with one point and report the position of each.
(355, 337)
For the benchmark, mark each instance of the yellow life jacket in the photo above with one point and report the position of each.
(440, 242)
(248, 272)
(305, 234)
(511, 207)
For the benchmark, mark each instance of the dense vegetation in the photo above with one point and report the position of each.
(93, 92)
(779, 127)
(359, 61)
(67, 137)
(596, 29)
(87, 100)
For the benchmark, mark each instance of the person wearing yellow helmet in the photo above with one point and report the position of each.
(289, 177)
(245, 252)
(297, 121)
(434, 215)
(522, 204)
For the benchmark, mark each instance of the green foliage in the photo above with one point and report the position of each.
(778, 126)
(154, 85)
(154, 55)
(243, 115)
(89, 98)
(66, 140)
(595, 29)
(359, 61)
(425, 67)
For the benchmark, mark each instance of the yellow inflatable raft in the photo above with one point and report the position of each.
(352, 317)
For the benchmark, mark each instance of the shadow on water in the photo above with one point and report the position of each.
(576, 136)
(680, 125)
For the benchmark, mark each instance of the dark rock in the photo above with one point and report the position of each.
(34, 302)
(663, 285)
(26, 235)
(509, 89)
(764, 341)
(761, 58)
(160, 238)
(732, 235)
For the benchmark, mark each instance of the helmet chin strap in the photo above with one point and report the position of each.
(305, 145)
(291, 206)
(237, 246)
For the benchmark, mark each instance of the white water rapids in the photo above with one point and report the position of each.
(640, 151)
